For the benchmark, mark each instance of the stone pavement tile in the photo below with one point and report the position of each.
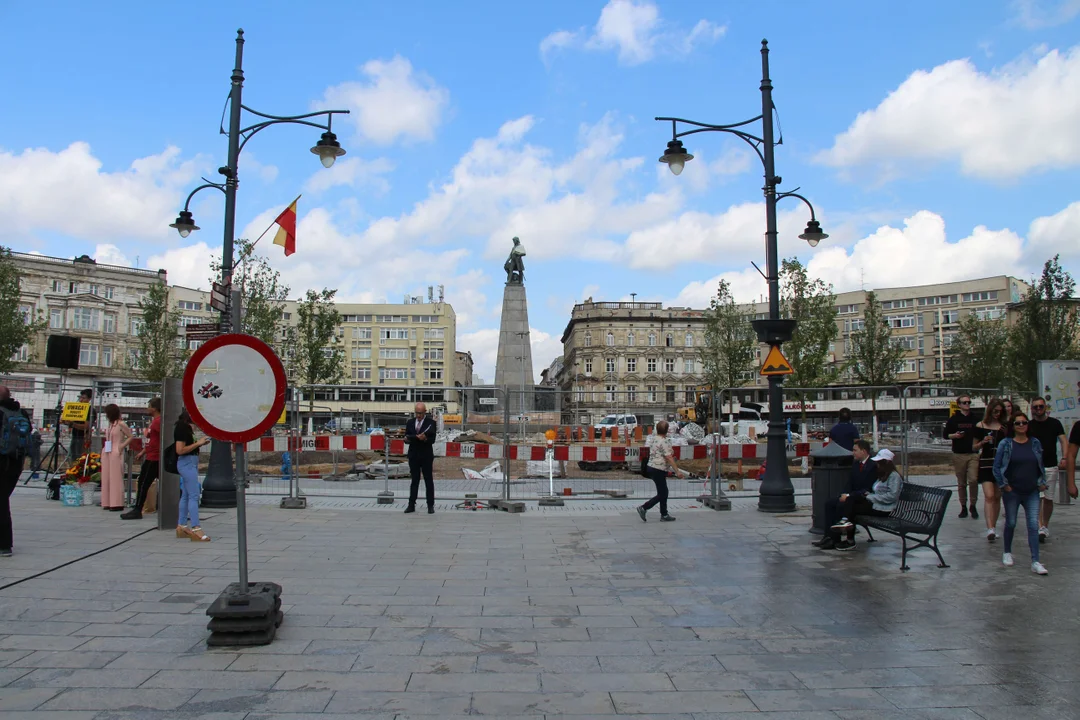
(626, 647)
(719, 679)
(440, 704)
(661, 663)
(955, 674)
(530, 634)
(973, 696)
(332, 647)
(485, 621)
(425, 634)
(586, 621)
(39, 628)
(555, 704)
(118, 699)
(415, 664)
(887, 659)
(379, 621)
(11, 674)
(629, 703)
(871, 678)
(498, 663)
(213, 679)
(173, 661)
(291, 631)
(242, 701)
(706, 647)
(48, 715)
(162, 607)
(818, 699)
(328, 716)
(923, 714)
(332, 663)
(117, 630)
(139, 644)
(42, 642)
(92, 616)
(605, 682)
(639, 633)
(12, 699)
(68, 659)
(773, 662)
(84, 678)
(464, 647)
(797, 715)
(1027, 712)
(475, 682)
(9, 657)
(343, 680)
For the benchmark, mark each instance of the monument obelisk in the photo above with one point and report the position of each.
(513, 366)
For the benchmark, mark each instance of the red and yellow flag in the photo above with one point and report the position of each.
(286, 234)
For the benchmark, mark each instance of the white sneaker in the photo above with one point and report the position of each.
(1006, 559)
(1039, 569)
(1044, 534)
(991, 535)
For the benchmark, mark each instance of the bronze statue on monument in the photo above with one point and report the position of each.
(514, 265)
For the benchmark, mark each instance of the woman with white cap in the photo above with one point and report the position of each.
(880, 501)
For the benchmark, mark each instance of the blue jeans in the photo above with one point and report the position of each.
(188, 465)
(1030, 501)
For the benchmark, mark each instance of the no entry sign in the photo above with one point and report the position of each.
(234, 388)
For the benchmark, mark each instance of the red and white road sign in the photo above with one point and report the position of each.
(234, 388)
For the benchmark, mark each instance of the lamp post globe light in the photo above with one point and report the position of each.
(219, 489)
(776, 494)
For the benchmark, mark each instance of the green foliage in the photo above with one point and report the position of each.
(314, 355)
(977, 356)
(264, 295)
(160, 355)
(813, 305)
(872, 355)
(1046, 327)
(16, 328)
(730, 342)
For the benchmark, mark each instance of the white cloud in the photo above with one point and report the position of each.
(108, 254)
(266, 173)
(67, 192)
(484, 346)
(394, 102)
(746, 286)
(636, 31)
(998, 125)
(1055, 234)
(352, 172)
(545, 348)
(188, 266)
(1038, 14)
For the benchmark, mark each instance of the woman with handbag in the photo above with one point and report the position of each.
(187, 466)
(661, 457)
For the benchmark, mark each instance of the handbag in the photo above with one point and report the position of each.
(170, 458)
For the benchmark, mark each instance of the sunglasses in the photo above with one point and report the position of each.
(1038, 407)
(1021, 422)
(964, 402)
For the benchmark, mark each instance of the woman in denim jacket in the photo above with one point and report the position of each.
(1019, 472)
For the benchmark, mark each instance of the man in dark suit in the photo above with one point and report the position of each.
(860, 482)
(420, 434)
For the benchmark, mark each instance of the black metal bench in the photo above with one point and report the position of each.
(919, 512)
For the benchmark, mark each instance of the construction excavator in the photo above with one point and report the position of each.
(703, 413)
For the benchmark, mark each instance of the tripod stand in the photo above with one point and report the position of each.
(53, 457)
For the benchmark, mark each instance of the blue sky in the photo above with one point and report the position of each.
(937, 140)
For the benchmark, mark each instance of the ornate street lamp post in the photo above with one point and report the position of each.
(776, 494)
(219, 489)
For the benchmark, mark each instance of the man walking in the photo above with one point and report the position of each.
(1051, 435)
(420, 435)
(11, 464)
(844, 433)
(961, 430)
(151, 454)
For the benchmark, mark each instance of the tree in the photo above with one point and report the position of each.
(264, 295)
(160, 355)
(873, 356)
(314, 356)
(977, 355)
(1046, 328)
(730, 342)
(17, 327)
(812, 304)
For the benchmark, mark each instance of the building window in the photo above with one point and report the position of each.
(392, 318)
(189, 305)
(361, 333)
(434, 334)
(669, 365)
(900, 321)
(393, 373)
(652, 339)
(688, 365)
(394, 334)
(609, 391)
(27, 312)
(362, 353)
(985, 296)
(109, 290)
(847, 309)
(434, 354)
(946, 317)
(56, 319)
(691, 396)
(394, 353)
(650, 393)
(630, 338)
(107, 356)
(361, 373)
(910, 366)
(939, 300)
(110, 323)
(854, 325)
(434, 373)
(133, 358)
(22, 354)
(631, 393)
(609, 365)
(286, 316)
(58, 286)
(689, 341)
(93, 289)
(86, 319)
(896, 304)
(88, 354)
(135, 326)
(651, 365)
(610, 339)
(631, 364)
(588, 366)
(349, 318)
(908, 342)
(990, 313)
(73, 287)
(669, 341)
(669, 393)
(588, 339)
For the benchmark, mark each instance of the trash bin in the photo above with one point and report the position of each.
(829, 478)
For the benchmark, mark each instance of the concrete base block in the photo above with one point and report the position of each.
(510, 506)
(386, 497)
(717, 503)
(551, 501)
(294, 503)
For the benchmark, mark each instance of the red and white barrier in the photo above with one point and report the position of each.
(572, 453)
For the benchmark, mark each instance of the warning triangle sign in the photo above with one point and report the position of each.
(776, 363)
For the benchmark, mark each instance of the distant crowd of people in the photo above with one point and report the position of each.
(1019, 460)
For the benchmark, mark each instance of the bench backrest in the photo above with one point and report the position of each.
(922, 505)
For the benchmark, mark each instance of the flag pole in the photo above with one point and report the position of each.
(272, 224)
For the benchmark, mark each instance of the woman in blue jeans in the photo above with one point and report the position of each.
(1018, 469)
(187, 463)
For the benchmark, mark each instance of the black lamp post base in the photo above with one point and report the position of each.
(218, 499)
(783, 503)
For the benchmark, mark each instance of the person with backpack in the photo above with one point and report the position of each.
(15, 431)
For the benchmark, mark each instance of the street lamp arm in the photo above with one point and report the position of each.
(750, 139)
(250, 131)
(219, 186)
(792, 193)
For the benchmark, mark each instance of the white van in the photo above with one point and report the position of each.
(622, 422)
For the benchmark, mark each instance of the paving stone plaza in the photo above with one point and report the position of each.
(581, 611)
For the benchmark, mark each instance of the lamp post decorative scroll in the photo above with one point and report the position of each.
(777, 493)
(219, 490)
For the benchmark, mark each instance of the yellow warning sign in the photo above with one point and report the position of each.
(776, 363)
(75, 412)
(281, 420)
